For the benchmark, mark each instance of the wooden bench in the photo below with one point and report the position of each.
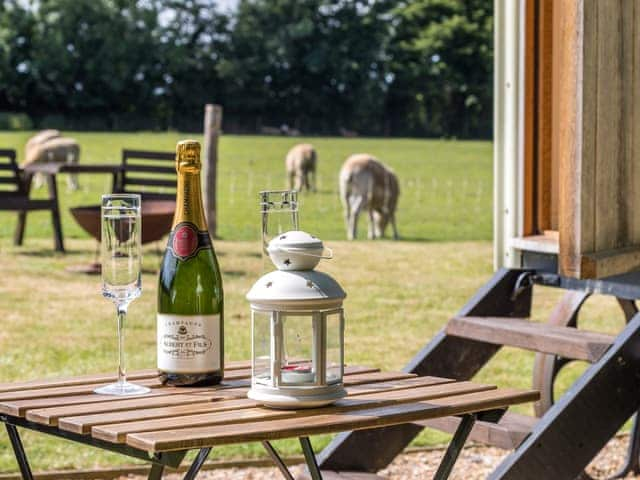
(151, 174)
(163, 425)
(15, 186)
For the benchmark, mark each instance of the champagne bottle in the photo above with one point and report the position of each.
(190, 298)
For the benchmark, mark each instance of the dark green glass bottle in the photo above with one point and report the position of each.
(190, 296)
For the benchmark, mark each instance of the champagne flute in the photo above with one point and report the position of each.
(121, 252)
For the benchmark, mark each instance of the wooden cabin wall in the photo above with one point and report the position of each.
(598, 94)
(540, 164)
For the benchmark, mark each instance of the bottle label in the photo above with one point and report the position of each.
(189, 343)
(185, 241)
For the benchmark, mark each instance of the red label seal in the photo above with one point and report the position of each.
(185, 241)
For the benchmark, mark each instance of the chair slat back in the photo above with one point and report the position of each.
(151, 174)
(10, 177)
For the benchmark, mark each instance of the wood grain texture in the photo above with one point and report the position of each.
(101, 377)
(540, 166)
(79, 380)
(610, 130)
(169, 440)
(530, 226)
(171, 418)
(555, 113)
(65, 391)
(625, 198)
(569, 145)
(599, 87)
(546, 185)
(539, 337)
(83, 423)
(633, 116)
(117, 433)
(611, 262)
(48, 411)
(380, 381)
(537, 243)
(319, 424)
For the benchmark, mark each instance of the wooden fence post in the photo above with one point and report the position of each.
(212, 124)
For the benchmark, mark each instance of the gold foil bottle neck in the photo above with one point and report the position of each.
(188, 156)
(189, 197)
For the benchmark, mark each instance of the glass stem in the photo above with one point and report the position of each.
(122, 372)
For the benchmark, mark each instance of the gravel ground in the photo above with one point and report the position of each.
(475, 463)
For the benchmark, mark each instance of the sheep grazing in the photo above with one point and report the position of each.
(301, 165)
(38, 139)
(49, 147)
(366, 183)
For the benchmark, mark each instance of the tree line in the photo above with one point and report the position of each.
(375, 67)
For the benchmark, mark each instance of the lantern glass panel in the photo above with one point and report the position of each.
(334, 347)
(298, 352)
(262, 347)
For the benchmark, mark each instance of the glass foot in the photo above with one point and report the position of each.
(123, 388)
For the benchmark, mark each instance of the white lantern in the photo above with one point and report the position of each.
(297, 328)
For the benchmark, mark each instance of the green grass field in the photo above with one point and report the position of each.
(446, 186)
(399, 293)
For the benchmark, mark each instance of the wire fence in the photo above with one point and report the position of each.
(428, 208)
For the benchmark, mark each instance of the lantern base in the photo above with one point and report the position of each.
(292, 398)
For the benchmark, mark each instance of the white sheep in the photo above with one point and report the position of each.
(366, 183)
(38, 139)
(301, 163)
(49, 147)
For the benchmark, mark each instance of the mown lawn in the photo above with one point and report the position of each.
(446, 186)
(399, 293)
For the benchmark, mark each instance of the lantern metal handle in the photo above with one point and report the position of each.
(301, 251)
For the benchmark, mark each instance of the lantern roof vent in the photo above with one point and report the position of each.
(296, 290)
(296, 250)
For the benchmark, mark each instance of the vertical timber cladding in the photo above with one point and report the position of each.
(598, 96)
(540, 165)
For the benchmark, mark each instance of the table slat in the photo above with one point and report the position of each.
(83, 423)
(382, 384)
(101, 377)
(67, 391)
(117, 432)
(169, 440)
(79, 380)
(44, 410)
(390, 381)
(50, 409)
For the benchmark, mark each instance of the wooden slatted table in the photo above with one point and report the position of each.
(164, 425)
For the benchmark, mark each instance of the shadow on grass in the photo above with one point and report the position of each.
(51, 253)
(411, 239)
(306, 194)
(249, 254)
(234, 273)
(414, 239)
(402, 239)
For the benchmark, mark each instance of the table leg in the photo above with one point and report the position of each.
(277, 460)
(455, 447)
(19, 452)
(310, 457)
(18, 235)
(197, 464)
(156, 471)
(55, 213)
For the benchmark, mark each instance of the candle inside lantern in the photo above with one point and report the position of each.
(298, 373)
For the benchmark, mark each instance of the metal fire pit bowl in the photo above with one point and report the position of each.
(157, 216)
